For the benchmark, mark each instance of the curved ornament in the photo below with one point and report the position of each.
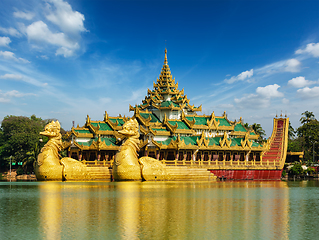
(49, 166)
(127, 166)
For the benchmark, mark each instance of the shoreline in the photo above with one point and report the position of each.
(5, 176)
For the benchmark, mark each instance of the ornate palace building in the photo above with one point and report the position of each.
(170, 130)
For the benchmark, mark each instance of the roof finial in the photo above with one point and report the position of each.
(165, 59)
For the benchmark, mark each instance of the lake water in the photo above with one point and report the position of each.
(159, 210)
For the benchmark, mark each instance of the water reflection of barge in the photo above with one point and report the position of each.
(172, 132)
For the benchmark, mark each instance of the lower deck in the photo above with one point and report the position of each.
(248, 174)
(239, 170)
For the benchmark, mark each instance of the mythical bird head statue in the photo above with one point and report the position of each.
(52, 129)
(130, 128)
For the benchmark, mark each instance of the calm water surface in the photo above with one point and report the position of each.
(159, 210)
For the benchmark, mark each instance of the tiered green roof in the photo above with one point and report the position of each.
(236, 141)
(153, 117)
(107, 141)
(200, 120)
(83, 131)
(168, 104)
(240, 128)
(119, 121)
(159, 129)
(102, 126)
(214, 141)
(180, 124)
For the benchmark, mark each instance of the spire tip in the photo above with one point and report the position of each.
(165, 59)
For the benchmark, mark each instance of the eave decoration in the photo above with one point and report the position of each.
(225, 142)
(202, 140)
(246, 143)
(212, 123)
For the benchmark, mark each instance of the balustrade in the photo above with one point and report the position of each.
(176, 162)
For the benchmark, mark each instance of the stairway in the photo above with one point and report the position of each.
(100, 173)
(275, 152)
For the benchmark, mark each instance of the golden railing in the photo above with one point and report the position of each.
(219, 163)
(96, 163)
(199, 163)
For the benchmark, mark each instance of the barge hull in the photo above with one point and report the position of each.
(248, 174)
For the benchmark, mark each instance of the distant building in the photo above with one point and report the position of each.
(294, 157)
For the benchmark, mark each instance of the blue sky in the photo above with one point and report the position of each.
(69, 59)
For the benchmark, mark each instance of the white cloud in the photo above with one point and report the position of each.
(225, 105)
(5, 97)
(44, 57)
(254, 101)
(241, 77)
(4, 41)
(135, 95)
(292, 65)
(39, 31)
(261, 99)
(4, 100)
(11, 56)
(61, 14)
(14, 93)
(64, 51)
(105, 100)
(285, 101)
(270, 68)
(24, 15)
(11, 76)
(300, 82)
(269, 91)
(309, 92)
(10, 31)
(311, 48)
(15, 71)
(246, 74)
(63, 32)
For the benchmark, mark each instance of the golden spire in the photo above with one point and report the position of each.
(165, 90)
(165, 59)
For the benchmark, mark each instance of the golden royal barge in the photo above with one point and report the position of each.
(174, 134)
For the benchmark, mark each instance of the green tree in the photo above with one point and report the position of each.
(308, 136)
(296, 169)
(19, 136)
(294, 144)
(260, 131)
(291, 132)
(307, 117)
(31, 156)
